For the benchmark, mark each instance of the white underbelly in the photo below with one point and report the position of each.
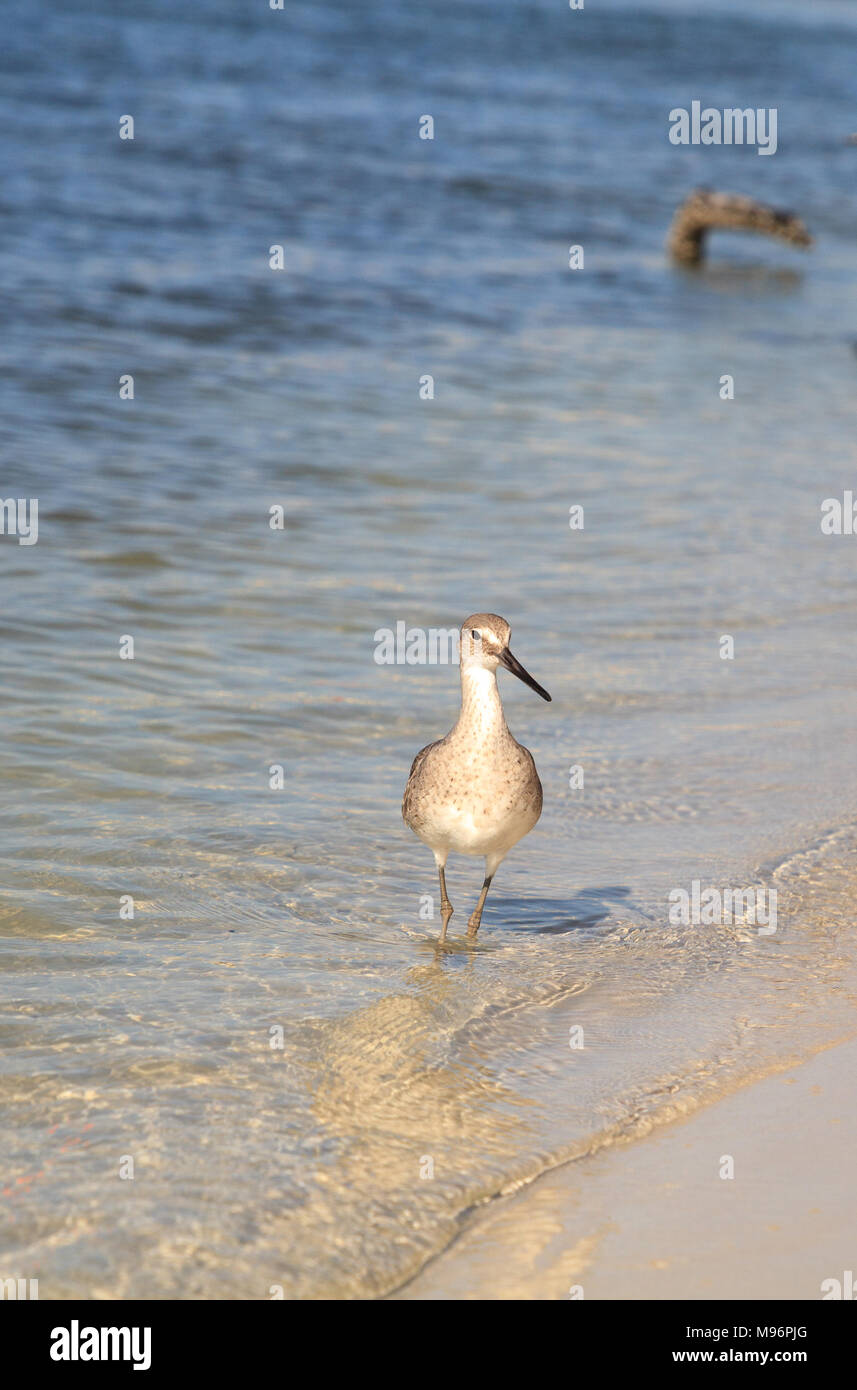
(481, 831)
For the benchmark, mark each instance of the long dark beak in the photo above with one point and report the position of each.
(513, 664)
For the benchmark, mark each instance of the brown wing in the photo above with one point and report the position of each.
(414, 777)
(537, 786)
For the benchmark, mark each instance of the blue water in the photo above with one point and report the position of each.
(259, 1165)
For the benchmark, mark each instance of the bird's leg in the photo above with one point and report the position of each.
(476, 914)
(446, 908)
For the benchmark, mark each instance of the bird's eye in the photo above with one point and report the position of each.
(476, 635)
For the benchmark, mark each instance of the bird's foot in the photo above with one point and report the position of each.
(446, 911)
(473, 923)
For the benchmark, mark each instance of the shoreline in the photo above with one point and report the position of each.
(653, 1218)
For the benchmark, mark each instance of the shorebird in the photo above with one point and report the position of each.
(477, 790)
(704, 210)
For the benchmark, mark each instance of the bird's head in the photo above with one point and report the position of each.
(485, 643)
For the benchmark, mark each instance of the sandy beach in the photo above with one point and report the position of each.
(655, 1219)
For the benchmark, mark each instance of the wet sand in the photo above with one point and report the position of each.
(655, 1219)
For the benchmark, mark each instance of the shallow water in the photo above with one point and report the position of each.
(299, 1166)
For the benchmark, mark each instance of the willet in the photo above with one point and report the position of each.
(477, 790)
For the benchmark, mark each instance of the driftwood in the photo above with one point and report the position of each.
(705, 210)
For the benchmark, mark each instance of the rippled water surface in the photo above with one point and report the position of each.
(274, 1039)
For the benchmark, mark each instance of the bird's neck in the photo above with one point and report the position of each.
(481, 708)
